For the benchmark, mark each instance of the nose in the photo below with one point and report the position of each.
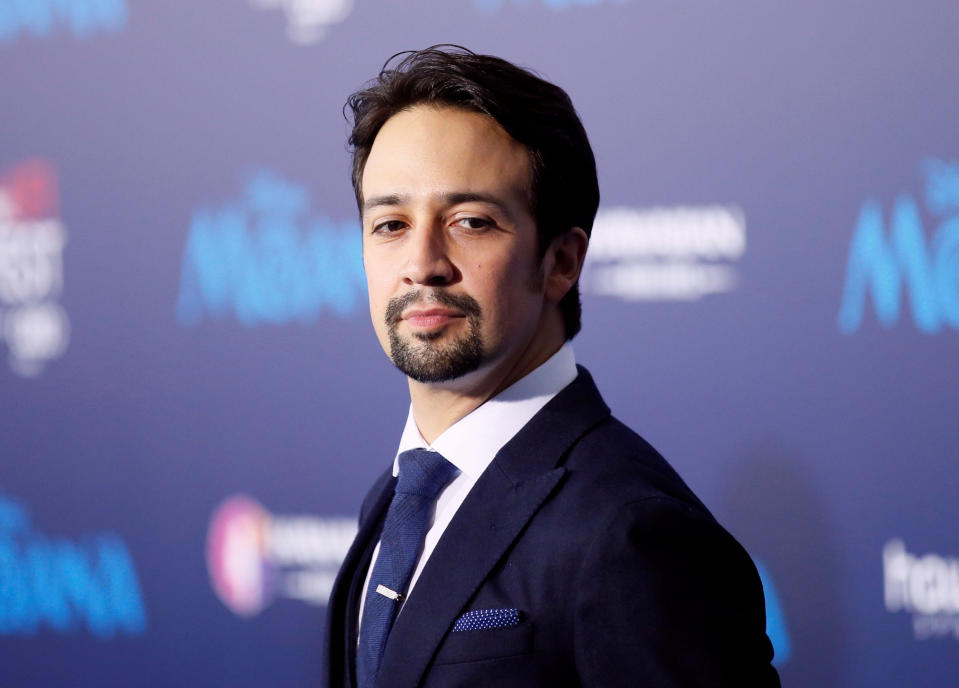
(428, 262)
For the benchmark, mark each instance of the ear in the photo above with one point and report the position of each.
(567, 253)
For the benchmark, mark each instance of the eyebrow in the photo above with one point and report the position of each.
(451, 198)
(378, 201)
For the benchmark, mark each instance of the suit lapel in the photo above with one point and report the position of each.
(344, 598)
(493, 514)
(522, 476)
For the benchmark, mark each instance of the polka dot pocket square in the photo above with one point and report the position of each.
(478, 619)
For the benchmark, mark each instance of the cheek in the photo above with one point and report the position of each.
(376, 284)
(378, 297)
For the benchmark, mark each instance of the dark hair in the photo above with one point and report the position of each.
(564, 190)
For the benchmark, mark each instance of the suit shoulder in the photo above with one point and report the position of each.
(613, 459)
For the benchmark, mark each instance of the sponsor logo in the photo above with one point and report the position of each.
(664, 254)
(491, 6)
(33, 325)
(926, 587)
(253, 556)
(65, 587)
(265, 259)
(42, 18)
(308, 21)
(775, 618)
(884, 265)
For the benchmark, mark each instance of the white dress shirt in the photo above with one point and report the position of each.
(473, 441)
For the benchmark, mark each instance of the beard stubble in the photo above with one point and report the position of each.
(423, 357)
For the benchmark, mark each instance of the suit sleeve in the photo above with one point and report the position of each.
(667, 596)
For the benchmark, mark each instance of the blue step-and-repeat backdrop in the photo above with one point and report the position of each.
(192, 402)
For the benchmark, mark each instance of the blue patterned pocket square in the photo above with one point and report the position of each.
(478, 619)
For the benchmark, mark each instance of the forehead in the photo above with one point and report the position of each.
(429, 150)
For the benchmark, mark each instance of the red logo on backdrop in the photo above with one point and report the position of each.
(237, 558)
(255, 557)
(31, 190)
(33, 325)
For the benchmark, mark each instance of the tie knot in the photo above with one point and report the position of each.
(424, 473)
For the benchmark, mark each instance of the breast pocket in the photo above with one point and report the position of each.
(485, 644)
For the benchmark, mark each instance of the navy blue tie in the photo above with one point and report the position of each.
(423, 474)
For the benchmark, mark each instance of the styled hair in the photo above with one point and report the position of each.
(564, 189)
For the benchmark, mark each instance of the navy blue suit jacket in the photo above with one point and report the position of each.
(621, 575)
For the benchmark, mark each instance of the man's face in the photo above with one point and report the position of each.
(449, 244)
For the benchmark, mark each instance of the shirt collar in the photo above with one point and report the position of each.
(473, 441)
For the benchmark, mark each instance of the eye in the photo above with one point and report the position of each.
(473, 223)
(388, 227)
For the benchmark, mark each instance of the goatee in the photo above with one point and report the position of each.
(422, 356)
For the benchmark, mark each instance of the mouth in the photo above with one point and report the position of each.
(431, 318)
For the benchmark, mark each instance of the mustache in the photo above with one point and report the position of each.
(464, 303)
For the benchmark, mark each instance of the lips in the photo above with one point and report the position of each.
(431, 317)
(432, 308)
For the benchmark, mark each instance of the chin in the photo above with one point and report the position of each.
(425, 360)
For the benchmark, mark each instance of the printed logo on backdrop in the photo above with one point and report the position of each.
(892, 264)
(33, 326)
(266, 258)
(52, 584)
(491, 6)
(48, 18)
(927, 587)
(678, 253)
(308, 21)
(254, 557)
(775, 617)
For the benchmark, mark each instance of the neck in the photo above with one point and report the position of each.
(437, 406)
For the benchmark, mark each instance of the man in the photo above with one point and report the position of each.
(522, 536)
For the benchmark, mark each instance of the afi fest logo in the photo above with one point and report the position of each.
(32, 324)
(900, 265)
(926, 587)
(307, 21)
(664, 254)
(254, 557)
